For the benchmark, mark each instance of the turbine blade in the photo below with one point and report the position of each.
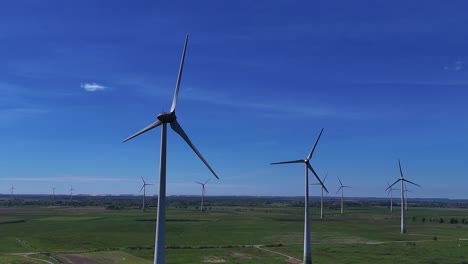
(199, 183)
(142, 187)
(143, 180)
(401, 171)
(393, 184)
(339, 181)
(316, 176)
(179, 76)
(411, 182)
(151, 126)
(315, 145)
(178, 129)
(338, 190)
(324, 179)
(287, 162)
(207, 181)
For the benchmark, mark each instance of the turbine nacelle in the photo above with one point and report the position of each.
(167, 117)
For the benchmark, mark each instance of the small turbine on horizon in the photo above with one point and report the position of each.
(390, 193)
(321, 195)
(165, 118)
(143, 187)
(11, 190)
(71, 192)
(203, 192)
(306, 161)
(342, 191)
(402, 180)
(53, 192)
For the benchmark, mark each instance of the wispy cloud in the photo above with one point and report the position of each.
(456, 66)
(93, 87)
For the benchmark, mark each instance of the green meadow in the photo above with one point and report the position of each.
(231, 234)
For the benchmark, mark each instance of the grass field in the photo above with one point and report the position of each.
(231, 235)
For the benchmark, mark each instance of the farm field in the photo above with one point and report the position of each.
(227, 234)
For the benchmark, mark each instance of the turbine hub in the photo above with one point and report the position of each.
(166, 117)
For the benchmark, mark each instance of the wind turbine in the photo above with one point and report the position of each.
(165, 118)
(402, 180)
(342, 189)
(144, 192)
(53, 192)
(390, 192)
(406, 198)
(321, 196)
(12, 189)
(71, 192)
(307, 250)
(203, 192)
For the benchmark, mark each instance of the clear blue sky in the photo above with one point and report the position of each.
(386, 79)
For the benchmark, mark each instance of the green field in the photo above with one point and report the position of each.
(231, 235)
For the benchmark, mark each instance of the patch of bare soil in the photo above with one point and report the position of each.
(213, 260)
(76, 259)
(241, 255)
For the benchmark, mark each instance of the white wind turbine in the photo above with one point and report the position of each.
(321, 195)
(342, 190)
(406, 198)
(71, 192)
(143, 187)
(165, 118)
(307, 249)
(402, 180)
(203, 192)
(390, 193)
(53, 192)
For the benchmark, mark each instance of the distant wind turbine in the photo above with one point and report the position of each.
(165, 118)
(321, 196)
(12, 189)
(143, 187)
(53, 192)
(307, 249)
(203, 192)
(402, 180)
(390, 193)
(71, 192)
(406, 198)
(342, 189)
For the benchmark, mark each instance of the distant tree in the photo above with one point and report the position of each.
(414, 218)
(454, 220)
(441, 220)
(423, 219)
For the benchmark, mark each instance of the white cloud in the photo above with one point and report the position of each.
(456, 66)
(93, 87)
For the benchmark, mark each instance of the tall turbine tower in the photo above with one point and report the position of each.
(307, 250)
(143, 187)
(402, 180)
(53, 192)
(390, 193)
(203, 192)
(71, 192)
(342, 189)
(321, 195)
(165, 118)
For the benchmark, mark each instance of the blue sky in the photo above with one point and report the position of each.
(386, 79)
